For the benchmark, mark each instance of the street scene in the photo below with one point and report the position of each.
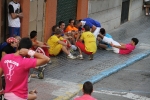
(85, 50)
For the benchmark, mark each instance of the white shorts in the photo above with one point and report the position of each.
(110, 40)
(12, 96)
(96, 32)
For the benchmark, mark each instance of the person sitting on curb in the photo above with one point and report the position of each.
(89, 46)
(87, 91)
(57, 44)
(16, 69)
(36, 43)
(120, 48)
(102, 44)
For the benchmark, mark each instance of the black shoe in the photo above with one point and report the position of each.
(91, 57)
(41, 72)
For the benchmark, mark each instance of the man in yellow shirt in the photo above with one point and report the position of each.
(57, 44)
(89, 47)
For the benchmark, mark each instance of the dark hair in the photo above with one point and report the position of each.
(57, 31)
(25, 43)
(77, 22)
(87, 28)
(102, 31)
(88, 87)
(33, 34)
(135, 40)
(60, 23)
(54, 28)
(70, 20)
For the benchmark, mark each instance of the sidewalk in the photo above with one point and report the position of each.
(63, 78)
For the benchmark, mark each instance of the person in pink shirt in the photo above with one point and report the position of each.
(87, 91)
(15, 68)
(120, 48)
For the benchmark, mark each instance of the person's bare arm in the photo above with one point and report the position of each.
(93, 28)
(120, 47)
(63, 43)
(41, 59)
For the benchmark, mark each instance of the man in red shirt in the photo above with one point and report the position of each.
(120, 48)
(87, 91)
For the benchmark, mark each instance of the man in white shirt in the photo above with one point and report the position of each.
(14, 15)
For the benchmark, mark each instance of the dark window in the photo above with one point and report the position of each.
(66, 9)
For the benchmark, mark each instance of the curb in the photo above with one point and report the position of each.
(106, 73)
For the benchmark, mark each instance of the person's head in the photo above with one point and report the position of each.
(58, 32)
(54, 28)
(134, 41)
(87, 28)
(25, 43)
(12, 42)
(33, 35)
(88, 88)
(71, 22)
(18, 38)
(102, 31)
(61, 25)
(77, 23)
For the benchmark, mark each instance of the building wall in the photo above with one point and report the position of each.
(136, 9)
(108, 12)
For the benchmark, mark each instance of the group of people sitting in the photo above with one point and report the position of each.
(85, 35)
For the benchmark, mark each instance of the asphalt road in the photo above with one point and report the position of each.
(130, 83)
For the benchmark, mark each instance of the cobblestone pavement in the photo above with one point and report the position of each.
(72, 72)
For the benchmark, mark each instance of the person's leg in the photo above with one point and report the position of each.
(18, 31)
(11, 31)
(32, 95)
(110, 40)
(96, 32)
(45, 49)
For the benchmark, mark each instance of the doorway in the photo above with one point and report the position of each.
(125, 11)
(37, 16)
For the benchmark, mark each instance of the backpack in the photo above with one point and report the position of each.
(2, 45)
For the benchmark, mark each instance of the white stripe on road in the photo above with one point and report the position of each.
(123, 94)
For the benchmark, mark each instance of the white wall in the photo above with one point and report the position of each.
(108, 12)
(135, 9)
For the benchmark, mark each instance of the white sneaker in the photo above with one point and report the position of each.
(71, 57)
(80, 57)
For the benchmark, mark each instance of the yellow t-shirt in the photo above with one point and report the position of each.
(89, 41)
(53, 42)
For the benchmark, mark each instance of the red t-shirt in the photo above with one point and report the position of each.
(85, 97)
(16, 69)
(129, 48)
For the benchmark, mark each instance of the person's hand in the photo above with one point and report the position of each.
(23, 52)
(111, 44)
(20, 15)
(33, 91)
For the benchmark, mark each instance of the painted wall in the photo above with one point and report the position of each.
(108, 12)
(135, 9)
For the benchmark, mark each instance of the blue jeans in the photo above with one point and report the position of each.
(14, 31)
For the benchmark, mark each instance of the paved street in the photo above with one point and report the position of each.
(64, 76)
(131, 83)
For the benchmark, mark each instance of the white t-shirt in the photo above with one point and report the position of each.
(16, 9)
